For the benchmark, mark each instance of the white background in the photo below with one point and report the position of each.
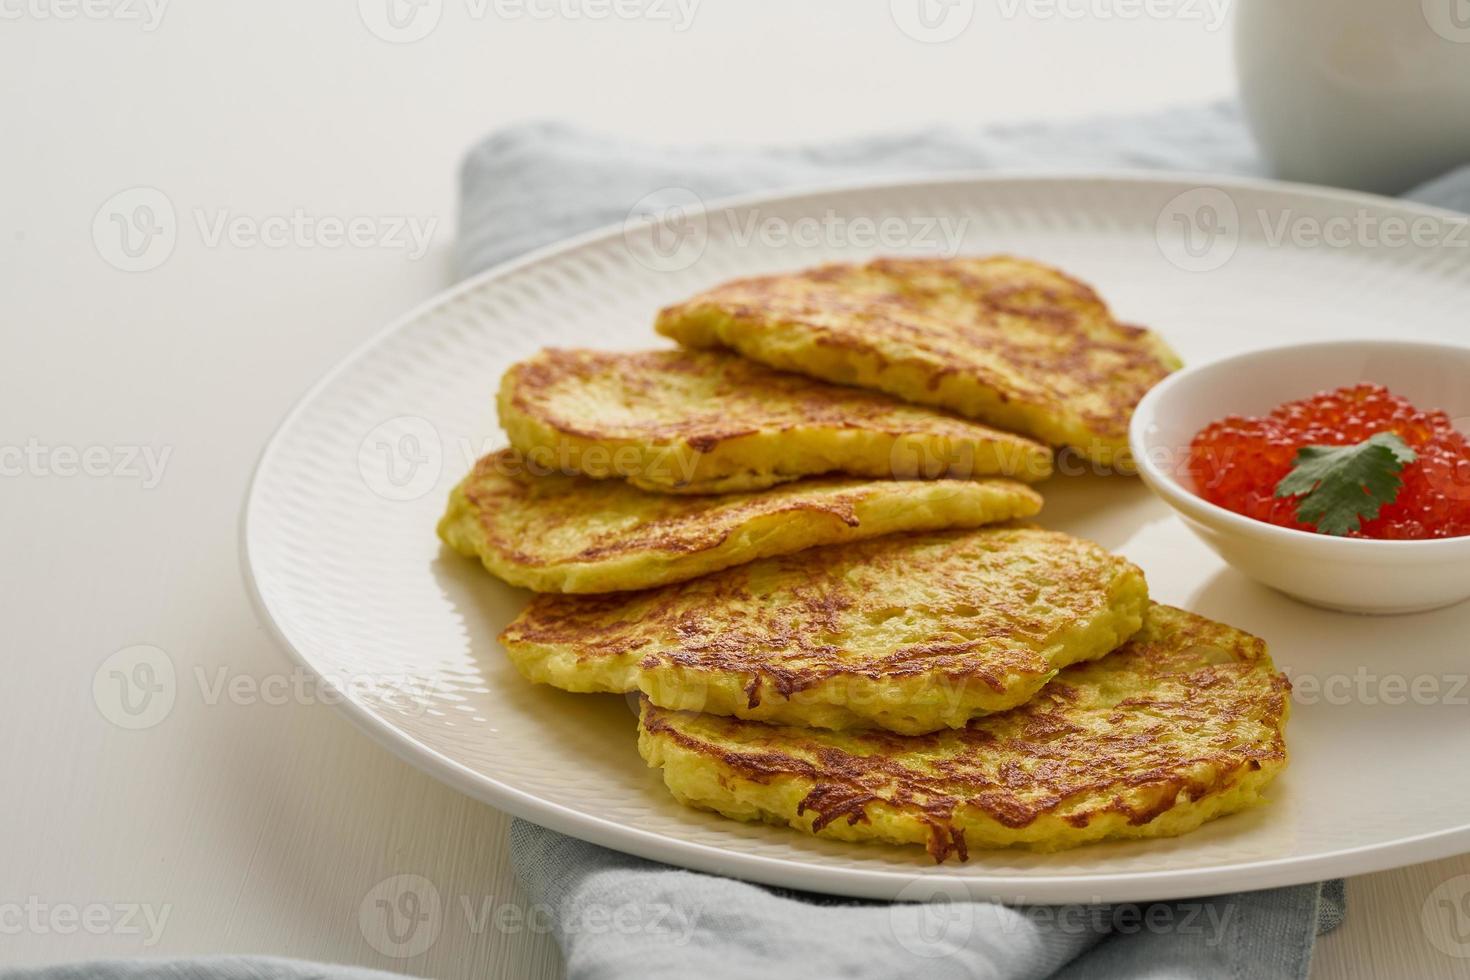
(262, 828)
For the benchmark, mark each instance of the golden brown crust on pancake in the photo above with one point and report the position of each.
(1184, 723)
(907, 632)
(1006, 340)
(556, 533)
(709, 422)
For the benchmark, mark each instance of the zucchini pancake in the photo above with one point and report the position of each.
(557, 533)
(911, 632)
(1183, 724)
(681, 421)
(1012, 342)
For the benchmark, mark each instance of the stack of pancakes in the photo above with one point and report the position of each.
(798, 538)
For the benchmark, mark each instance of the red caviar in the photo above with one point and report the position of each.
(1237, 462)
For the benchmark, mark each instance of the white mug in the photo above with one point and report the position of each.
(1367, 94)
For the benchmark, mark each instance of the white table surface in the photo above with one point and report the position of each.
(260, 827)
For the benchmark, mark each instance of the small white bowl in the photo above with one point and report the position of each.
(1349, 574)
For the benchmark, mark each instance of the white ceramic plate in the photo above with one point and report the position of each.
(340, 545)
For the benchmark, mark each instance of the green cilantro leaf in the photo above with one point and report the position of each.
(1342, 486)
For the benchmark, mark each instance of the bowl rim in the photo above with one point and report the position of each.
(1192, 505)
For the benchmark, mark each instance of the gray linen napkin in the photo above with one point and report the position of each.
(534, 184)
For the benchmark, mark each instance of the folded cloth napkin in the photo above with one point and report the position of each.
(619, 916)
(534, 184)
